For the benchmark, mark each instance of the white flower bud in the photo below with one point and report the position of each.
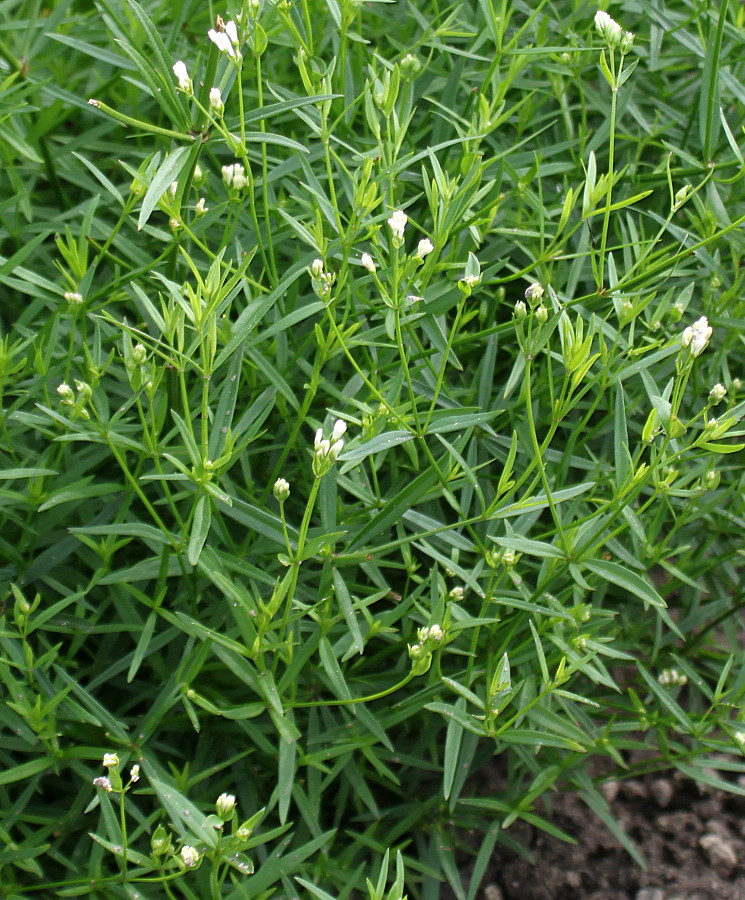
(424, 248)
(340, 428)
(717, 393)
(200, 209)
(368, 263)
(134, 773)
(225, 806)
(73, 298)
(189, 856)
(281, 490)
(110, 760)
(216, 102)
(397, 224)
(182, 76)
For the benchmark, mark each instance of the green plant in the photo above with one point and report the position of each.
(371, 406)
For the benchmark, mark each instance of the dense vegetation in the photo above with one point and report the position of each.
(371, 385)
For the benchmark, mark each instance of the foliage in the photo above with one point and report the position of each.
(370, 416)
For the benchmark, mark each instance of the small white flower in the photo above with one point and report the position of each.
(739, 737)
(134, 773)
(66, 393)
(200, 209)
(316, 268)
(397, 224)
(340, 428)
(104, 783)
(198, 174)
(234, 176)
(424, 248)
(182, 76)
(672, 677)
(232, 32)
(216, 102)
(717, 393)
(225, 806)
(73, 298)
(281, 490)
(110, 760)
(189, 856)
(533, 293)
(368, 263)
(627, 42)
(222, 40)
(318, 438)
(608, 29)
(471, 280)
(521, 310)
(697, 336)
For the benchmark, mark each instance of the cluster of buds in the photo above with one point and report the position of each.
(322, 281)
(326, 450)
(67, 396)
(456, 594)
(225, 806)
(73, 298)
(671, 677)
(113, 780)
(696, 337)
(613, 35)
(182, 76)
(189, 856)
(717, 394)
(428, 639)
(410, 66)
(281, 490)
(235, 177)
(225, 37)
(397, 224)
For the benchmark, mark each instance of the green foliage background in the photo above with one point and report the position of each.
(545, 484)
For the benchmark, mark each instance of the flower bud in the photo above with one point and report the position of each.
(182, 76)
(368, 263)
(110, 760)
(225, 806)
(281, 490)
(533, 293)
(520, 311)
(541, 315)
(73, 298)
(397, 224)
(189, 856)
(216, 102)
(717, 393)
(424, 248)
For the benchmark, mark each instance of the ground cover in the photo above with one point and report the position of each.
(372, 385)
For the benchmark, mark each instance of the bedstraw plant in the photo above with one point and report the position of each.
(370, 437)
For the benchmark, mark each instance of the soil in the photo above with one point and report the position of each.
(692, 838)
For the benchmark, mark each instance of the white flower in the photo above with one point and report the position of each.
(740, 739)
(697, 336)
(110, 760)
(368, 263)
(627, 42)
(533, 293)
(671, 677)
(225, 806)
(424, 248)
(182, 76)
(316, 268)
(717, 393)
(66, 393)
(397, 224)
(134, 773)
(104, 783)
(234, 176)
(340, 428)
(222, 40)
(216, 102)
(73, 298)
(281, 489)
(189, 856)
(608, 29)
(200, 209)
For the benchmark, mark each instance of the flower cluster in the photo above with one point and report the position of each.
(697, 336)
(234, 176)
(322, 281)
(670, 677)
(281, 490)
(225, 37)
(420, 653)
(182, 76)
(326, 450)
(613, 35)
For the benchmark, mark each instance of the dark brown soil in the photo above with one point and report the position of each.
(692, 839)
